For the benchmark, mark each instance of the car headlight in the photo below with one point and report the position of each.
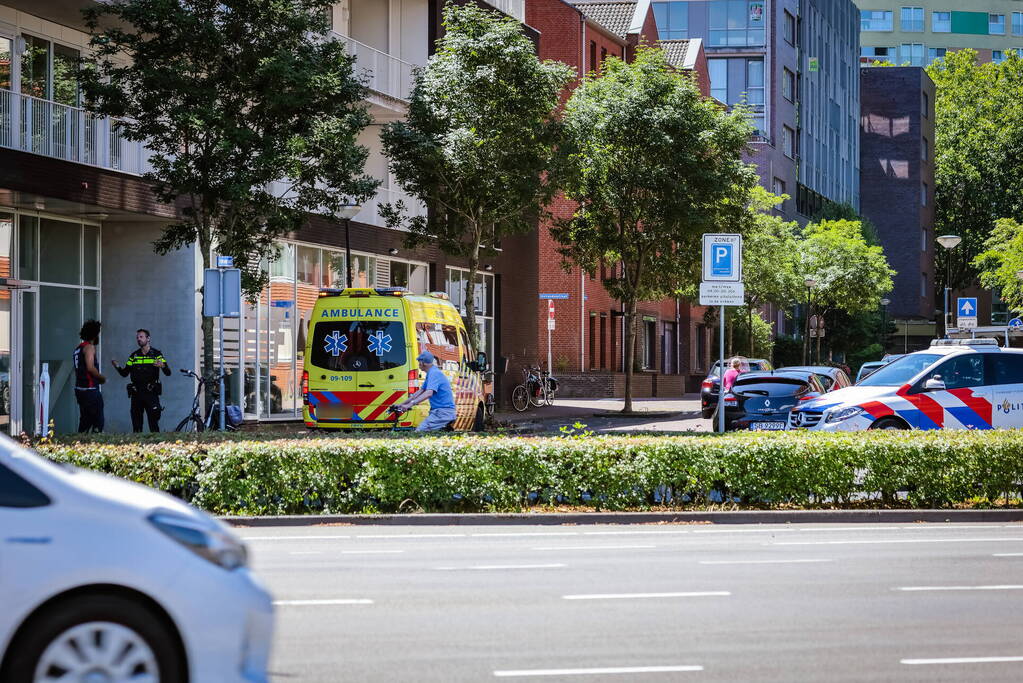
(843, 414)
(208, 542)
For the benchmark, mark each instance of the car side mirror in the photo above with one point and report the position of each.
(934, 384)
(481, 362)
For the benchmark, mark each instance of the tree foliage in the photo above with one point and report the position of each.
(850, 275)
(251, 117)
(978, 153)
(653, 166)
(479, 139)
(1001, 260)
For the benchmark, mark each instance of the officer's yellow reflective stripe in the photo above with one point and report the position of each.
(142, 361)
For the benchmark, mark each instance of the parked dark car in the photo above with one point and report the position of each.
(832, 378)
(709, 386)
(763, 400)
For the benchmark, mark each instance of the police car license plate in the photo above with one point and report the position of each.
(774, 426)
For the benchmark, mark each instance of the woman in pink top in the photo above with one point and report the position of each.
(728, 381)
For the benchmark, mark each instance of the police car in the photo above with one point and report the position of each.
(955, 384)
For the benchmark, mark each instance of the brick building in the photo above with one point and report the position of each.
(897, 167)
(587, 344)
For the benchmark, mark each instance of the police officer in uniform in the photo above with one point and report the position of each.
(144, 366)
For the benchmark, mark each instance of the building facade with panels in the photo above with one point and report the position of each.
(916, 33)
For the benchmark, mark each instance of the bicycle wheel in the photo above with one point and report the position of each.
(536, 393)
(550, 386)
(189, 424)
(520, 398)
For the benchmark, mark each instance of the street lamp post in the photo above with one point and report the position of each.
(884, 325)
(949, 242)
(347, 213)
(810, 284)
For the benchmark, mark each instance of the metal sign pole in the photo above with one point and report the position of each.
(721, 384)
(222, 402)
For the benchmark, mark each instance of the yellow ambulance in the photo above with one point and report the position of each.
(360, 359)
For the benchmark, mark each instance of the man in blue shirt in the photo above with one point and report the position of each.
(436, 388)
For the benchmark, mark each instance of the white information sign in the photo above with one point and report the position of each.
(722, 294)
(966, 323)
(722, 258)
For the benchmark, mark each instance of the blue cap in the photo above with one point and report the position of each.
(426, 357)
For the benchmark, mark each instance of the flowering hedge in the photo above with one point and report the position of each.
(336, 475)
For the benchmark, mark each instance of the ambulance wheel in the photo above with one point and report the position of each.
(889, 423)
(480, 422)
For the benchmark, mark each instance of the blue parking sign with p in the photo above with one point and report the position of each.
(721, 259)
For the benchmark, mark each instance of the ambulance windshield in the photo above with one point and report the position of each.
(358, 345)
(899, 371)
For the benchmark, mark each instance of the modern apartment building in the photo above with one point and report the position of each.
(77, 223)
(793, 63)
(916, 33)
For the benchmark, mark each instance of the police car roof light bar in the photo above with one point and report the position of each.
(980, 341)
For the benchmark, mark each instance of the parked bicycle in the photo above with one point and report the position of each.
(195, 422)
(538, 388)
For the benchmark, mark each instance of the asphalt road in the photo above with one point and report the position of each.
(635, 603)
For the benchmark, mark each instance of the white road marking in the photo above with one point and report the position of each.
(371, 552)
(597, 547)
(307, 603)
(741, 531)
(962, 660)
(761, 561)
(411, 535)
(646, 596)
(635, 533)
(524, 673)
(290, 538)
(898, 540)
(855, 528)
(1007, 555)
(518, 566)
(1007, 587)
(527, 533)
(307, 552)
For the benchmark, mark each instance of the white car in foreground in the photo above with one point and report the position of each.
(103, 580)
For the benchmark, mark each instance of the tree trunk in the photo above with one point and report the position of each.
(470, 291)
(749, 328)
(630, 352)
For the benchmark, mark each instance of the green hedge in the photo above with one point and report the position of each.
(335, 475)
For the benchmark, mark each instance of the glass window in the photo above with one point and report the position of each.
(334, 268)
(1006, 368)
(912, 53)
(755, 82)
(941, 22)
(65, 76)
(364, 271)
(6, 60)
(672, 20)
(997, 56)
(718, 69)
(911, 19)
(788, 88)
(359, 345)
(788, 141)
(90, 254)
(15, 492)
(924, 149)
(935, 53)
(736, 23)
(925, 104)
(923, 284)
(875, 20)
(60, 318)
(923, 240)
(789, 28)
(923, 194)
(881, 54)
(60, 245)
(959, 372)
(439, 339)
(308, 266)
(1017, 25)
(35, 60)
(900, 370)
(996, 24)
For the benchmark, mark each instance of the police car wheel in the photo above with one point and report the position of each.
(889, 423)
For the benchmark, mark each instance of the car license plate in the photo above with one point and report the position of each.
(768, 425)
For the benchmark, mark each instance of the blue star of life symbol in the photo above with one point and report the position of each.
(337, 343)
(379, 343)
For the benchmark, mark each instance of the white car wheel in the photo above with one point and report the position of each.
(98, 652)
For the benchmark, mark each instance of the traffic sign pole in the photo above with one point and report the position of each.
(722, 286)
(721, 384)
(550, 329)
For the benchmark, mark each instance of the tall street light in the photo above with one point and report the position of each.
(949, 242)
(347, 213)
(884, 325)
(810, 284)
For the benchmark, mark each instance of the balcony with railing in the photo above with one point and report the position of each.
(385, 73)
(513, 8)
(73, 134)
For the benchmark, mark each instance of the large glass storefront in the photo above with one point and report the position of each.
(264, 350)
(55, 262)
(483, 302)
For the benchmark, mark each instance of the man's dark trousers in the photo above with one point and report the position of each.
(148, 402)
(90, 410)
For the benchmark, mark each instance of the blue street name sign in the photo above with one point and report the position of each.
(225, 261)
(557, 295)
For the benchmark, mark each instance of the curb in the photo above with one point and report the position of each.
(555, 518)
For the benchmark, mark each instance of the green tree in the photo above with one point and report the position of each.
(978, 154)
(251, 117)
(771, 266)
(851, 276)
(1001, 260)
(653, 165)
(478, 141)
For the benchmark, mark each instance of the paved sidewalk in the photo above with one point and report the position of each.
(656, 415)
